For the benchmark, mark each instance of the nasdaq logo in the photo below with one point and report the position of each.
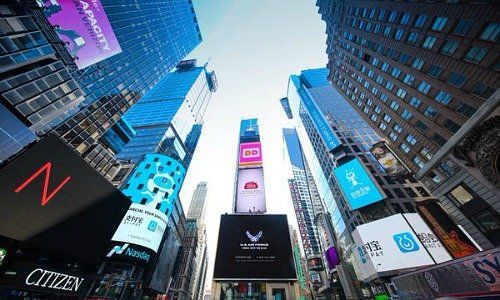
(405, 242)
(128, 251)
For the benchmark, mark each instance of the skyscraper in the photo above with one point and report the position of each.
(197, 212)
(154, 38)
(424, 77)
(323, 118)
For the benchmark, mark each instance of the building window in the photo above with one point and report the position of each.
(395, 72)
(462, 27)
(392, 16)
(374, 118)
(384, 97)
(389, 85)
(418, 161)
(420, 21)
(434, 71)
(439, 23)
(461, 194)
(465, 109)
(451, 126)
(415, 102)
(406, 115)
(408, 79)
(412, 38)
(405, 18)
(487, 221)
(424, 87)
(429, 42)
(399, 34)
(482, 90)
(456, 80)
(394, 105)
(491, 32)
(377, 110)
(426, 153)
(476, 54)
(443, 98)
(405, 147)
(398, 128)
(387, 118)
(431, 112)
(421, 126)
(418, 63)
(449, 47)
(411, 139)
(382, 126)
(385, 67)
(393, 136)
(387, 31)
(439, 140)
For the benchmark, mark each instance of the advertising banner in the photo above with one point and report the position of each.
(84, 28)
(358, 186)
(476, 275)
(51, 198)
(455, 241)
(388, 160)
(251, 193)
(332, 258)
(254, 247)
(142, 225)
(329, 137)
(388, 244)
(250, 153)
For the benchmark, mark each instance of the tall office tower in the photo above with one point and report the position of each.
(254, 255)
(301, 198)
(169, 118)
(424, 77)
(35, 85)
(197, 212)
(154, 37)
(334, 137)
(186, 266)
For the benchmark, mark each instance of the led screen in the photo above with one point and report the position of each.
(251, 193)
(357, 185)
(250, 153)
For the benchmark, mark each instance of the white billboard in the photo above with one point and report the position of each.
(390, 244)
(251, 197)
(142, 225)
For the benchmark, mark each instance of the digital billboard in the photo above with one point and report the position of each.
(84, 29)
(329, 137)
(53, 199)
(452, 237)
(388, 160)
(391, 244)
(254, 247)
(250, 153)
(251, 192)
(359, 188)
(332, 258)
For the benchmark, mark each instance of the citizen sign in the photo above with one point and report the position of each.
(53, 280)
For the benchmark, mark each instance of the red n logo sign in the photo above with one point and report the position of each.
(45, 198)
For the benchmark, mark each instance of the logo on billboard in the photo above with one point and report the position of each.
(161, 187)
(254, 238)
(252, 185)
(251, 153)
(351, 177)
(406, 242)
(54, 280)
(152, 225)
(129, 251)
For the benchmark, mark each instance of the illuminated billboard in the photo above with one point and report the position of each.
(153, 187)
(250, 153)
(329, 137)
(357, 185)
(254, 247)
(53, 199)
(251, 195)
(387, 159)
(84, 29)
(393, 243)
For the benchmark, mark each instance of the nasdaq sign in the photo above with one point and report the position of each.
(325, 131)
(357, 185)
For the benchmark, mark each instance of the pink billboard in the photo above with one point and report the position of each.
(84, 28)
(250, 153)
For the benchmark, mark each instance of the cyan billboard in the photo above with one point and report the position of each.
(358, 186)
(325, 131)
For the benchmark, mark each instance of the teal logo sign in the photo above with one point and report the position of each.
(405, 242)
(152, 226)
(358, 186)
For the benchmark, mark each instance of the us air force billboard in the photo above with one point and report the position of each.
(84, 28)
(251, 193)
(254, 247)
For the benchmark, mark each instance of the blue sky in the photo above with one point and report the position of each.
(253, 46)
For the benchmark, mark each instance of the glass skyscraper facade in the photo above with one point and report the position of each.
(169, 118)
(356, 138)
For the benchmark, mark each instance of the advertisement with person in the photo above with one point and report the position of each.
(251, 196)
(358, 186)
(388, 160)
(254, 247)
(452, 237)
(250, 153)
(84, 29)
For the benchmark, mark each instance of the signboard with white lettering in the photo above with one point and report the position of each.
(359, 188)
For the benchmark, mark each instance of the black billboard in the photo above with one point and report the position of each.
(51, 198)
(254, 247)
